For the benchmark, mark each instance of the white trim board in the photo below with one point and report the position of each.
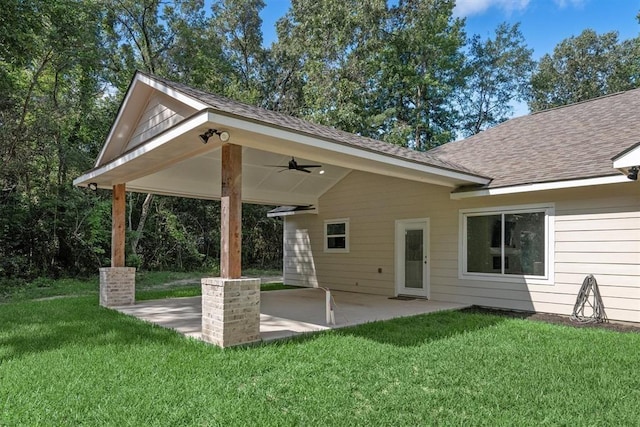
(628, 158)
(556, 185)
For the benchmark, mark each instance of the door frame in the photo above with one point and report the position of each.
(401, 226)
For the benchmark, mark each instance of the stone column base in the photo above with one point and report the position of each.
(230, 311)
(117, 286)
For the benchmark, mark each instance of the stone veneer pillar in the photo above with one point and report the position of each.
(230, 311)
(117, 286)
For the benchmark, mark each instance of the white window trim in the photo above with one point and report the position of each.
(547, 279)
(344, 221)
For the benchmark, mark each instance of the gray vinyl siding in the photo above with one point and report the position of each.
(597, 231)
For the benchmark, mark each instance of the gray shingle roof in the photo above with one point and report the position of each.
(571, 142)
(262, 115)
(565, 143)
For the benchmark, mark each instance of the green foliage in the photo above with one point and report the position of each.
(498, 71)
(585, 67)
(44, 288)
(387, 73)
(396, 71)
(68, 361)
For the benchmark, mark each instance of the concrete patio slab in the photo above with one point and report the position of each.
(288, 312)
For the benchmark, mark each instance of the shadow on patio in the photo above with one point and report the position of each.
(290, 312)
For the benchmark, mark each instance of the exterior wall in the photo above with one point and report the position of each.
(597, 230)
(161, 113)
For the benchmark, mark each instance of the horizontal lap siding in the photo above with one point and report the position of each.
(161, 113)
(372, 203)
(597, 230)
(602, 239)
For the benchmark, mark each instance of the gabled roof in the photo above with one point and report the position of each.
(155, 146)
(574, 142)
(222, 104)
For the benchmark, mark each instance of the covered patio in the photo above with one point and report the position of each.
(170, 139)
(290, 312)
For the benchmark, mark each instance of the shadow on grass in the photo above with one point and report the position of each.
(41, 326)
(412, 331)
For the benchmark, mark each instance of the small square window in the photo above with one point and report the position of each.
(336, 235)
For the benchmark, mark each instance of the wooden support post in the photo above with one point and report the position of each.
(118, 207)
(231, 207)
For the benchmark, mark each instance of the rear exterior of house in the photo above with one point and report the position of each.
(514, 217)
(563, 201)
(360, 241)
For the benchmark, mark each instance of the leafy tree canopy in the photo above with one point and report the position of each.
(585, 67)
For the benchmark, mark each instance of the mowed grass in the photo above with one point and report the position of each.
(149, 285)
(70, 362)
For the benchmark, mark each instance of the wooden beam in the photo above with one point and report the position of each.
(231, 207)
(118, 208)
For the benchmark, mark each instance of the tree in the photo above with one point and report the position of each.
(46, 136)
(498, 72)
(584, 67)
(324, 60)
(387, 73)
(238, 29)
(419, 74)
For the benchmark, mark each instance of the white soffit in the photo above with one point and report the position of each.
(172, 146)
(263, 180)
(287, 142)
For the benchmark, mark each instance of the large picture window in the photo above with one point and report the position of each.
(507, 242)
(336, 235)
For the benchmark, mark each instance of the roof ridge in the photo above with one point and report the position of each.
(584, 101)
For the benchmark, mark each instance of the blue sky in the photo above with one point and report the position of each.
(544, 23)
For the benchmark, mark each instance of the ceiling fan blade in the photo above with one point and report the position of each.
(303, 170)
(309, 166)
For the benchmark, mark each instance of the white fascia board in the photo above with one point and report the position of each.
(540, 187)
(628, 159)
(313, 211)
(308, 140)
(181, 128)
(191, 102)
(127, 97)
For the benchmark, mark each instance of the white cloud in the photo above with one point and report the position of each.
(569, 3)
(476, 7)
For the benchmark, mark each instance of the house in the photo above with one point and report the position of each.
(514, 217)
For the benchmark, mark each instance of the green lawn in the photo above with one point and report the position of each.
(149, 285)
(70, 362)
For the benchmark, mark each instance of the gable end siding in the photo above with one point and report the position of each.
(161, 113)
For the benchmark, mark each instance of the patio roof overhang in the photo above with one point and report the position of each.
(175, 161)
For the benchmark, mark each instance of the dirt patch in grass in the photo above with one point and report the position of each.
(556, 319)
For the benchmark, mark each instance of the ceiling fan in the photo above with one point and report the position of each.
(293, 165)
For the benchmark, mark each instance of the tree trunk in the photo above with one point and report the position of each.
(143, 218)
